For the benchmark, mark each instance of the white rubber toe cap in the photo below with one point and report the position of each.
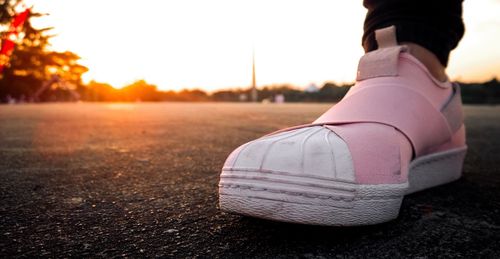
(312, 151)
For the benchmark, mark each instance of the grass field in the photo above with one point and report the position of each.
(141, 180)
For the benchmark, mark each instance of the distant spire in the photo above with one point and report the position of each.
(253, 93)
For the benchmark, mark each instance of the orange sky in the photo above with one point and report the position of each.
(208, 43)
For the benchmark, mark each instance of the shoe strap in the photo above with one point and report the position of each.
(402, 108)
(382, 62)
(425, 127)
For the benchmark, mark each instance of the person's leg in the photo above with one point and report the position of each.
(434, 25)
(431, 28)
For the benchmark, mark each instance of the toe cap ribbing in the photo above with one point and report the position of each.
(312, 151)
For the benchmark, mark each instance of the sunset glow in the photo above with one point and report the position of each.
(208, 44)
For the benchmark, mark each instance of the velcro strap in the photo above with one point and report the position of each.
(383, 61)
(379, 63)
(393, 105)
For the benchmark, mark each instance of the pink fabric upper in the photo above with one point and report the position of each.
(389, 119)
(395, 112)
(411, 102)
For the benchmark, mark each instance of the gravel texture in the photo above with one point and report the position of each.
(140, 180)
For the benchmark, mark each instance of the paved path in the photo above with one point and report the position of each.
(141, 180)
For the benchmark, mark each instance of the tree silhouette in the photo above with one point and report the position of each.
(32, 62)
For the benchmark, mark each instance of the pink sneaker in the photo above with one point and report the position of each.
(396, 132)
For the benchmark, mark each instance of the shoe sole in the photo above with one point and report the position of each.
(285, 197)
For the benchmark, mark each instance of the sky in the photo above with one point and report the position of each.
(208, 44)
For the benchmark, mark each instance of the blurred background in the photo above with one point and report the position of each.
(194, 50)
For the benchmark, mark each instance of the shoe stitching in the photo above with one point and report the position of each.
(311, 196)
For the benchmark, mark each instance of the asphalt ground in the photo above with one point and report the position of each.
(140, 180)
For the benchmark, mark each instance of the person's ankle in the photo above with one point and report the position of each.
(428, 59)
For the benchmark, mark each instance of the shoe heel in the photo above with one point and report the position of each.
(436, 169)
